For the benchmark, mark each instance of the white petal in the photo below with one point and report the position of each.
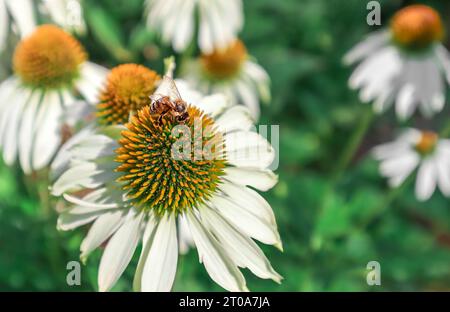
(405, 103)
(217, 263)
(149, 230)
(12, 125)
(244, 252)
(83, 175)
(184, 235)
(118, 252)
(4, 21)
(236, 118)
(366, 47)
(262, 180)
(48, 130)
(161, 264)
(426, 180)
(213, 104)
(27, 131)
(92, 78)
(68, 221)
(100, 231)
(443, 171)
(248, 149)
(22, 13)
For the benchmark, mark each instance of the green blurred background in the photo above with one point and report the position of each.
(329, 234)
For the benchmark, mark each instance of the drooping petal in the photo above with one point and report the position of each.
(244, 252)
(218, 264)
(161, 264)
(118, 252)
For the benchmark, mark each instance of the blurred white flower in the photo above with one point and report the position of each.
(407, 64)
(19, 15)
(417, 149)
(233, 73)
(219, 22)
(125, 180)
(50, 68)
(68, 14)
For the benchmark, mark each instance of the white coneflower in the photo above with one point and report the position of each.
(127, 182)
(233, 73)
(219, 22)
(417, 149)
(50, 67)
(407, 65)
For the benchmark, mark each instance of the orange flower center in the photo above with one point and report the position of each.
(223, 64)
(427, 142)
(128, 89)
(417, 27)
(48, 58)
(154, 177)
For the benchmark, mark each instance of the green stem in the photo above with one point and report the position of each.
(352, 145)
(343, 162)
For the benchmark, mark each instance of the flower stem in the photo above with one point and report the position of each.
(352, 145)
(343, 162)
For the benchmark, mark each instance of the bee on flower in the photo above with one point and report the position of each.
(219, 22)
(231, 72)
(421, 150)
(133, 186)
(406, 65)
(50, 71)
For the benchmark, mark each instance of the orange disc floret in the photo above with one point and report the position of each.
(417, 26)
(427, 142)
(48, 58)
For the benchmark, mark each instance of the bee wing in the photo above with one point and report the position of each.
(168, 88)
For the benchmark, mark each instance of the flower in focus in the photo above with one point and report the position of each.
(407, 64)
(131, 183)
(417, 149)
(233, 73)
(50, 68)
(219, 22)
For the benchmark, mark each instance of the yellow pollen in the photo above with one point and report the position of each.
(151, 174)
(127, 90)
(427, 142)
(417, 27)
(48, 58)
(224, 64)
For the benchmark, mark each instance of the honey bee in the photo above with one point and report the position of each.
(167, 100)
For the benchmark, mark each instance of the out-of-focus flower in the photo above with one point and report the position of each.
(219, 22)
(417, 149)
(138, 189)
(50, 68)
(233, 73)
(18, 14)
(68, 14)
(407, 65)
(21, 16)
